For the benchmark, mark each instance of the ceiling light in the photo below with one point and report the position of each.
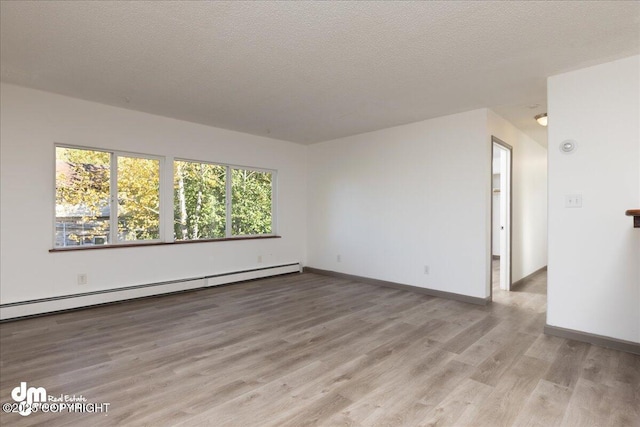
(541, 119)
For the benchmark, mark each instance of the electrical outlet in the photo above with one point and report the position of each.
(426, 269)
(82, 279)
(339, 258)
(259, 259)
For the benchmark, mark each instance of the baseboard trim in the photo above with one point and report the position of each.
(410, 288)
(524, 279)
(602, 341)
(42, 306)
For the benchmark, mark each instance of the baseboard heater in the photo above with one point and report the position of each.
(14, 310)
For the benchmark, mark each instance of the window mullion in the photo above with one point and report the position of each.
(228, 193)
(166, 199)
(274, 198)
(113, 208)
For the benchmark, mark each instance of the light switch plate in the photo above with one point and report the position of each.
(573, 201)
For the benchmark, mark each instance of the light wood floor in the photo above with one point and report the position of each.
(303, 350)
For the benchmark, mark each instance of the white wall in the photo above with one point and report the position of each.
(496, 214)
(392, 201)
(594, 253)
(529, 211)
(32, 121)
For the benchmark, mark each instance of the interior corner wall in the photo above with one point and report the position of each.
(32, 121)
(386, 204)
(594, 251)
(529, 200)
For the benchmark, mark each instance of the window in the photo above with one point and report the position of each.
(199, 201)
(88, 184)
(251, 202)
(138, 184)
(216, 201)
(114, 198)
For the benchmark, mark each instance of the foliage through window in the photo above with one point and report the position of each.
(138, 199)
(87, 187)
(251, 202)
(215, 201)
(199, 201)
(105, 197)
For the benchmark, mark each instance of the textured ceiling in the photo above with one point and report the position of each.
(311, 71)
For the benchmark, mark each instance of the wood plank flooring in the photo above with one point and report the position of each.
(304, 350)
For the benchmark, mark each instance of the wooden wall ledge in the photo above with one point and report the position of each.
(635, 213)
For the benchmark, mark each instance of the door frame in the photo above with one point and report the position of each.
(509, 148)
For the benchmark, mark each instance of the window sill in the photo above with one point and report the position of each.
(179, 242)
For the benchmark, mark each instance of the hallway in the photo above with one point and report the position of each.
(530, 294)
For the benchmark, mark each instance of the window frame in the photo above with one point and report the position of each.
(114, 241)
(228, 235)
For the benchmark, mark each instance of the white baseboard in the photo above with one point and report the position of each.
(34, 307)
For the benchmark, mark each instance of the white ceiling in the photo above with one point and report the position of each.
(311, 71)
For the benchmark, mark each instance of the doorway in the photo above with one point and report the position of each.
(501, 163)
